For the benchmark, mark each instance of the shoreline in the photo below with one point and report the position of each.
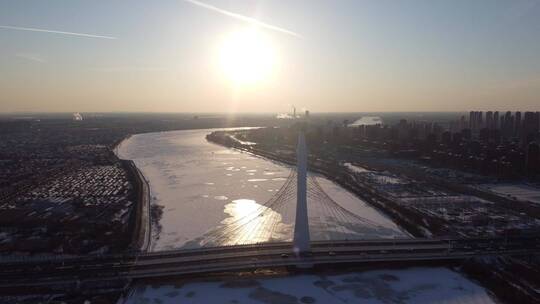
(141, 221)
(143, 225)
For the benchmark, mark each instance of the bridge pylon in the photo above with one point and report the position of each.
(301, 239)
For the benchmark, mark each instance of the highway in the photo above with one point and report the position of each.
(249, 257)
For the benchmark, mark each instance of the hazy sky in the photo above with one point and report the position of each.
(333, 55)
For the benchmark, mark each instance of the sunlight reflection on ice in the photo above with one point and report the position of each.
(250, 222)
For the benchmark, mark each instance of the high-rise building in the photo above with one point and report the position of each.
(530, 128)
(475, 118)
(517, 123)
(489, 120)
(496, 120)
(508, 125)
(480, 121)
(462, 124)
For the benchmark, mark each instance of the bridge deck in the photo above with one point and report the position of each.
(236, 258)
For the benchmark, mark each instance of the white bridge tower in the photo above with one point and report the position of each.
(301, 240)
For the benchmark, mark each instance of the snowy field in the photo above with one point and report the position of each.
(356, 169)
(375, 177)
(202, 186)
(366, 120)
(412, 285)
(521, 192)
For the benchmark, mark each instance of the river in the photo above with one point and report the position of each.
(202, 186)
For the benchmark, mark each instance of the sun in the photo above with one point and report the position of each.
(247, 57)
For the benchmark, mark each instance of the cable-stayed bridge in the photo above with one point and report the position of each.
(274, 220)
(255, 240)
(285, 216)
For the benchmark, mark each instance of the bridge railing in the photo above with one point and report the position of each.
(451, 242)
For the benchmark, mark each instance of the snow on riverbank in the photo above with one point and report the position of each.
(412, 285)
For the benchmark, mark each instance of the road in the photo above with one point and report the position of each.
(249, 257)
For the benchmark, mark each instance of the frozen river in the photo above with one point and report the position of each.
(203, 186)
(413, 285)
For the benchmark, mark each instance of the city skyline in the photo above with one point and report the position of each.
(263, 56)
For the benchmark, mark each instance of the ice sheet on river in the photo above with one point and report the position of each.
(413, 285)
(199, 183)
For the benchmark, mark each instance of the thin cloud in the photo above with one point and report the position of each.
(243, 18)
(31, 57)
(118, 69)
(31, 29)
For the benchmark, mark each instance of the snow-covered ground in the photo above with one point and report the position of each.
(202, 185)
(518, 191)
(356, 169)
(366, 120)
(412, 285)
(376, 177)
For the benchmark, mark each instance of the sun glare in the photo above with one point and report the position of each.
(247, 57)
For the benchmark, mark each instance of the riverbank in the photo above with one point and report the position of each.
(490, 273)
(140, 222)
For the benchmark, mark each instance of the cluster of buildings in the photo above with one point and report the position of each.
(444, 211)
(73, 213)
(62, 189)
(505, 126)
(502, 145)
(91, 182)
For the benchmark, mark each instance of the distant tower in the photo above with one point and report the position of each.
(301, 226)
(77, 117)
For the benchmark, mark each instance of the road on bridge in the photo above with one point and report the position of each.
(249, 257)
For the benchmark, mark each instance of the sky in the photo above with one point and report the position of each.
(326, 55)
